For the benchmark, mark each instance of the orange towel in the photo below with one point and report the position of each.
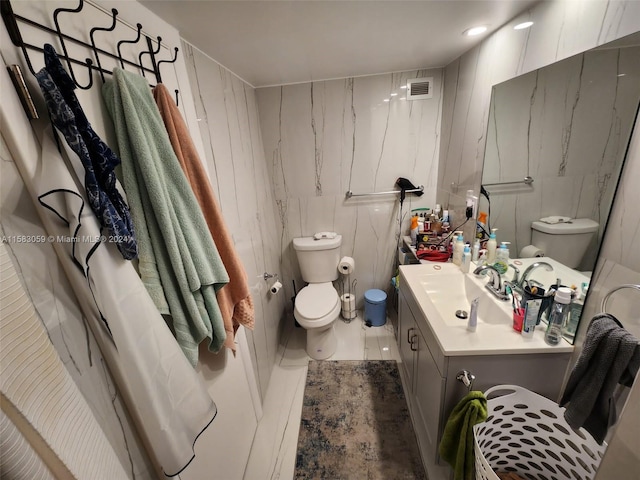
(234, 298)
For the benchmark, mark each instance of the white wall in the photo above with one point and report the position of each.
(325, 138)
(227, 115)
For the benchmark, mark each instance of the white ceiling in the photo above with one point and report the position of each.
(280, 42)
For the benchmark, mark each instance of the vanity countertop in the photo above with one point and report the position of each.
(452, 334)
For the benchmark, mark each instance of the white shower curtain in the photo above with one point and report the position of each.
(164, 395)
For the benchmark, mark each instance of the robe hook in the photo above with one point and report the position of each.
(136, 40)
(89, 62)
(151, 53)
(114, 14)
(175, 57)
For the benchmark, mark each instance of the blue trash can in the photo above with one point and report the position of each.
(375, 307)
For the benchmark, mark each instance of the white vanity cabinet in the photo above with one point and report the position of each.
(429, 377)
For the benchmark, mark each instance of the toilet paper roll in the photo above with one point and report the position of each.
(531, 251)
(275, 288)
(348, 302)
(346, 265)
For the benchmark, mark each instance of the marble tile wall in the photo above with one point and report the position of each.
(227, 114)
(325, 138)
(560, 30)
(567, 125)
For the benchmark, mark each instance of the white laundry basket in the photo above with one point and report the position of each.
(527, 434)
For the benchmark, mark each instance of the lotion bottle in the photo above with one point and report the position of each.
(502, 258)
(466, 259)
(476, 250)
(491, 247)
(458, 247)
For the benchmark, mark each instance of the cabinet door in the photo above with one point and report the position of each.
(428, 396)
(407, 336)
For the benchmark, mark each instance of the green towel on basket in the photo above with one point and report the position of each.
(456, 446)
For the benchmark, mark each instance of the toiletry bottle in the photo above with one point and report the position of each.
(502, 258)
(557, 317)
(481, 230)
(437, 211)
(575, 312)
(421, 223)
(530, 317)
(466, 259)
(491, 247)
(458, 247)
(472, 323)
(476, 250)
(482, 259)
(414, 230)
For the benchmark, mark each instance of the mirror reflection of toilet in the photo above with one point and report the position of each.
(317, 306)
(565, 241)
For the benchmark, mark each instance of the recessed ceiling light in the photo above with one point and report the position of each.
(403, 86)
(386, 100)
(394, 94)
(475, 31)
(523, 25)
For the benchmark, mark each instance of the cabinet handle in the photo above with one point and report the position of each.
(409, 334)
(411, 343)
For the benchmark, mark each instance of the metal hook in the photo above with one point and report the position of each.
(114, 14)
(177, 104)
(151, 53)
(175, 57)
(139, 25)
(14, 32)
(57, 12)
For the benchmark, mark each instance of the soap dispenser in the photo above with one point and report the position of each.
(502, 258)
(491, 247)
(466, 259)
(458, 248)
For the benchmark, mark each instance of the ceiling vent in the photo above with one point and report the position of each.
(420, 88)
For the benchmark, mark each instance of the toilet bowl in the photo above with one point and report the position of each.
(317, 307)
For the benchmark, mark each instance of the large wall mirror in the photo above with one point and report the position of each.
(565, 128)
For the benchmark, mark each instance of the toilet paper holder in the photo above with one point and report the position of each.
(267, 276)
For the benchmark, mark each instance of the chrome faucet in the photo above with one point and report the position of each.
(494, 285)
(525, 276)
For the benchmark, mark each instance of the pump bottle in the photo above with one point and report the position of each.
(502, 258)
(466, 259)
(476, 250)
(458, 247)
(491, 247)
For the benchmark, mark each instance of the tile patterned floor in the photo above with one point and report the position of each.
(274, 447)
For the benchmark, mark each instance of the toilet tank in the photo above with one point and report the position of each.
(565, 242)
(318, 259)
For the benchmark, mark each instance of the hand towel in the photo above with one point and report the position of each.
(609, 356)
(40, 398)
(456, 446)
(234, 298)
(177, 253)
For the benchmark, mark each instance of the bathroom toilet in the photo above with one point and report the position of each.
(566, 242)
(317, 306)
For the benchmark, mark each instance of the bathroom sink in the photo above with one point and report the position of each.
(450, 291)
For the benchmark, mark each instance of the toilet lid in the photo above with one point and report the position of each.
(316, 300)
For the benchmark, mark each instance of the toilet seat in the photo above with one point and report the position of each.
(317, 305)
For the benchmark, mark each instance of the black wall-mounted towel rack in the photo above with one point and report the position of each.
(12, 20)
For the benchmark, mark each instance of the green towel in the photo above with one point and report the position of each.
(456, 446)
(179, 263)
